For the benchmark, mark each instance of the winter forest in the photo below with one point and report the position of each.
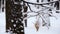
(29, 16)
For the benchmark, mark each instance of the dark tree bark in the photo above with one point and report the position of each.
(48, 0)
(57, 5)
(38, 1)
(13, 17)
(25, 10)
(0, 4)
(42, 0)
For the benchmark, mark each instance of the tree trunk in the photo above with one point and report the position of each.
(13, 17)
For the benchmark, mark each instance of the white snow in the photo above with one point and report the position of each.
(54, 28)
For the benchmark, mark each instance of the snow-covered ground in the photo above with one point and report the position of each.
(54, 28)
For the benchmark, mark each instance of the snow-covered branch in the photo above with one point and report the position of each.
(40, 3)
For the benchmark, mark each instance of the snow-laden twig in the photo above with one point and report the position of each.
(42, 18)
(41, 3)
(32, 16)
(52, 15)
(45, 21)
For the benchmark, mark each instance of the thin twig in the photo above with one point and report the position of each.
(29, 7)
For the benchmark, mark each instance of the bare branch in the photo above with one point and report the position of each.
(30, 8)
